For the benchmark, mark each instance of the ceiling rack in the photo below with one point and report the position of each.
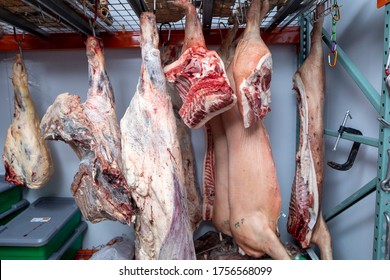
(63, 24)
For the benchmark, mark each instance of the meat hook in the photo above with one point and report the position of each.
(19, 42)
(220, 30)
(352, 154)
(92, 28)
(165, 43)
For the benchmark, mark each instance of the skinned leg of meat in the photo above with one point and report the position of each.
(217, 137)
(305, 221)
(152, 160)
(92, 130)
(215, 178)
(199, 75)
(26, 155)
(221, 212)
(169, 55)
(254, 195)
(253, 68)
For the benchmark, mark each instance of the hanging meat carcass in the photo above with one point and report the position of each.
(152, 161)
(254, 194)
(26, 155)
(253, 68)
(217, 137)
(305, 221)
(199, 75)
(169, 55)
(92, 131)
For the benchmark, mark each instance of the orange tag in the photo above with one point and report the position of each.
(381, 3)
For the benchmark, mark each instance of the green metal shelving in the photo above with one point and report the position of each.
(382, 206)
(381, 103)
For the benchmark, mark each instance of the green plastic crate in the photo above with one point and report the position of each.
(40, 230)
(9, 194)
(15, 210)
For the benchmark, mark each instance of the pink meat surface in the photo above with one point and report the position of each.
(199, 75)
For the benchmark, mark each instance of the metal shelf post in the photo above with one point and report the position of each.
(382, 197)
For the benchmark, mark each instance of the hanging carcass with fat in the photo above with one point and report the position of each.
(26, 155)
(305, 221)
(169, 54)
(254, 194)
(152, 160)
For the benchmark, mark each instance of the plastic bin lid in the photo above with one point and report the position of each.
(14, 208)
(39, 223)
(4, 185)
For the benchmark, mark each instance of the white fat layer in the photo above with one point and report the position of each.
(308, 173)
(265, 96)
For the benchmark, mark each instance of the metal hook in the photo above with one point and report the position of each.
(92, 27)
(219, 28)
(335, 53)
(388, 63)
(383, 122)
(19, 42)
(164, 44)
(335, 10)
(241, 12)
(237, 19)
(385, 182)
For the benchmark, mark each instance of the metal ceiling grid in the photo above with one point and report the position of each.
(125, 19)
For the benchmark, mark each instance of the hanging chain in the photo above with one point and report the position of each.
(335, 11)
